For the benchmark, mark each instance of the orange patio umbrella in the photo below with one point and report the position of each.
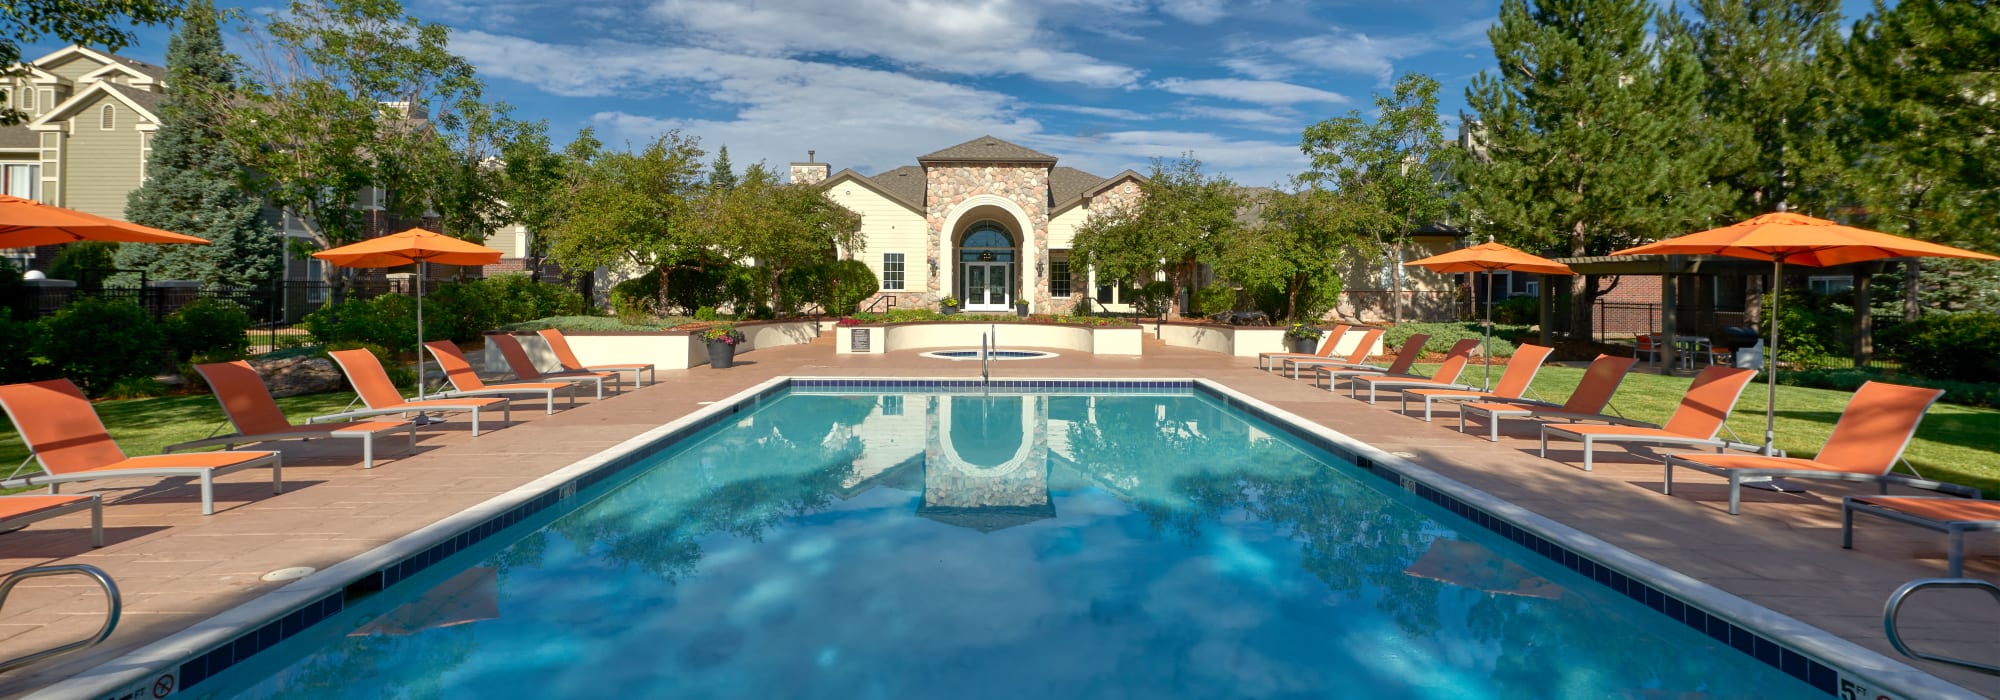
(415, 246)
(26, 223)
(1784, 237)
(1490, 257)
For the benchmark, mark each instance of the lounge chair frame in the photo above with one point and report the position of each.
(1460, 351)
(55, 480)
(525, 370)
(1738, 476)
(441, 349)
(406, 407)
(559, 346)
(1954, 529)
(1520, 408)
(298, 432)
(1268, 361)
(1433, 394)
(1354, 360)
(92, 502)
(1735, 442)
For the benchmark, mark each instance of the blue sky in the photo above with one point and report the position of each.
(1104, 85)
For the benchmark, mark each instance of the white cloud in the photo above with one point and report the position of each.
(961, 37)
(1346, 51)
(1104, 112)
(1261, 120)
(1196, 11)
(1248, 162)
(1263, 92)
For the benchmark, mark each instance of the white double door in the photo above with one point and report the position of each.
(988, 286)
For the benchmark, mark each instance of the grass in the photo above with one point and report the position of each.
(1952, 444)
(145, 426)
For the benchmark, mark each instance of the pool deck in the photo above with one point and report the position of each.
(176, 567)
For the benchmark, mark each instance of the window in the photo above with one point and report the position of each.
(892, 405)
(892, 271)
(22, 180)
(1059, 279)
(107, 119)
(27, 99)
(1832, 284)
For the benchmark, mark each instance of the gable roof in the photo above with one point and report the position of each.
(73, 51)
(19, 138)
(1065, 199)
(145, 103)
(987, 149)
(133, 67)
(903, 185)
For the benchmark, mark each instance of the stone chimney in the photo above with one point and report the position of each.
(810, 172)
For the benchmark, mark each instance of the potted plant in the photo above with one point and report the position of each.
(1304, 337)
(1021, 307)
(722, 339)
(950, 305)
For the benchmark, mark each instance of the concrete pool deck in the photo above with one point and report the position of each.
(176, 567)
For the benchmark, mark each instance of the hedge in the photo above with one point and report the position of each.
(1444, 335)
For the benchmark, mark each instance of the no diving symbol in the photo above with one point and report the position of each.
(163, 686)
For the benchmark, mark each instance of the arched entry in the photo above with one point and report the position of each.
(988, 267)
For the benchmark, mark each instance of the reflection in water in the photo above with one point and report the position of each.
(1132, 546)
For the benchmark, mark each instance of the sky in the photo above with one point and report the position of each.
(1103, 85)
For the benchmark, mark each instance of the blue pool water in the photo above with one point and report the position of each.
(955, 546)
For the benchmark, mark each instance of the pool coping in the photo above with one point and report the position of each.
(234, 635)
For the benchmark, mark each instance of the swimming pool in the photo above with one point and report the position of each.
(1140, 543)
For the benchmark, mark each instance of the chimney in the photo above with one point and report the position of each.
(811, 172)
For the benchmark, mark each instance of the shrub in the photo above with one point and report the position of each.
(1213, 299)
(135, 388)
(1983, 395)
(849, 282)
(1153, 299)
(18, 340)
(1524, 311)
(388, 321)
(1962, 347)
(97, 342)
(638, 295)
(1813, 332)
(1444, 335)
(399, 374)
(804, 284)
(208, 327)
(83, 259)
(706, 313)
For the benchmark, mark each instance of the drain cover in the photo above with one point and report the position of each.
(289, 573)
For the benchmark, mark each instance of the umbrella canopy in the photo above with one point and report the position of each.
(26, 223)
(413, 246)
(1470, 565)
(1490, 258)
(410, 246)
(1798, 239)
(1786, 237)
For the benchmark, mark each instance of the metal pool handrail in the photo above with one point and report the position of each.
(1902, 594)
(110, 619)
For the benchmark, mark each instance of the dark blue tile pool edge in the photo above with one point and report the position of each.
(201, 666)
(1770, 652)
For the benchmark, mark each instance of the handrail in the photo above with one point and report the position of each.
(1902, 594)
(110, 619)
(985, 370)
(878, 302)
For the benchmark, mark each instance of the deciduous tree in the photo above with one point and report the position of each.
(1183, 219)
(632, 210)
(1295, 250)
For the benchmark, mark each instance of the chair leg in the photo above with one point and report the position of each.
(1493, 427)
(1735, 494)
(1587, 444)
(1847, 526)
(1545, 442)
(97, 523)
(277, 473)
(1667, 485)
(367, 452)
(1955, 563)
(475, 421)
(208, 492)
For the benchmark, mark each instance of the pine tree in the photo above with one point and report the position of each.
(192, 185)
(1770, 66)
(1591, 135)
(722, 176)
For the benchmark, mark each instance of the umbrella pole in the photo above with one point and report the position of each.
(420, 330)
(1487, 350)
(1771, 358)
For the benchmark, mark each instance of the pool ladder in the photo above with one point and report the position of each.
(110, 619)
(985, 368)
(1902, 594)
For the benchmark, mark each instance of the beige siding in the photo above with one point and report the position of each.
(102, 166)
(888, 227)
(74, 68)
(1062, 229)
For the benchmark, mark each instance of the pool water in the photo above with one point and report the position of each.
(955, 546)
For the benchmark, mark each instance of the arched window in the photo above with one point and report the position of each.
(986, 241)
(27, 99)
(107, 119)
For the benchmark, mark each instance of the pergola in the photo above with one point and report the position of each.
(1675, 269)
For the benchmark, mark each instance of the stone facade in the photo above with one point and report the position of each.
(949, 188)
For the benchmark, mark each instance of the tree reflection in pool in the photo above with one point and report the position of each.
(926, 546)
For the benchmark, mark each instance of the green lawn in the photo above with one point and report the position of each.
(144, 426)
(1948, 447)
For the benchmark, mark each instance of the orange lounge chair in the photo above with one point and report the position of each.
(566, 357)
(1703, 412)
(1952, 516)
(372, 385)
(1268, 361)
(1514, 381)
(525, 369)
(1357, 358)
(1447, 373)
(1406, 356)
(1586, 403)
(466, 383)
(1866, 443)
(19, 511)
(257, 418)
(69, 442)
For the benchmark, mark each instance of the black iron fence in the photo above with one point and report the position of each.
(281, 304)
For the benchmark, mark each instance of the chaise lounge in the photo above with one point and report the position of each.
(1514, 382)
(69, 442)
(466, 383)
(1592, 394)
(1446, 375)
(559, 345)
(20, 510)
(375, 390)
(1268, 361)
(257, 418)
(1946, 514)
(524, 367)
(1406, 357)
(1702, 413)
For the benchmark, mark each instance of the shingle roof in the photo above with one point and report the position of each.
(1066, 184)
(987, 149)
(149, 100)
(151, 71)
(18, 136)
(905, 183)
